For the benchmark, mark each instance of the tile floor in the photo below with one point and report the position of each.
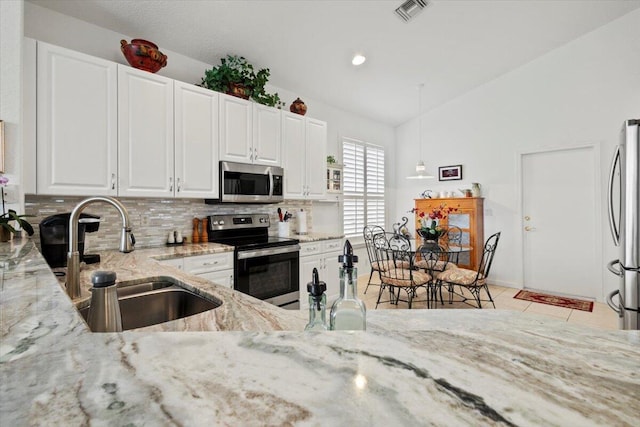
(602, 317)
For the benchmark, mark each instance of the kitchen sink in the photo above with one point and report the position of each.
(150, 302)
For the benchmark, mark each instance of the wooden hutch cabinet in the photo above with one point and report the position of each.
(469, 217)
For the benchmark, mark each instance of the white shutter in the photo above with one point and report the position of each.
(364, 187)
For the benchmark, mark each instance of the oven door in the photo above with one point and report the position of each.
(270, 274)
(245, 183)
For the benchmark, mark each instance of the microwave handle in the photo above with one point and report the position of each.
(615, 232)
(270, 183)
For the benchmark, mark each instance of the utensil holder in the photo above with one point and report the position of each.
(283, 229)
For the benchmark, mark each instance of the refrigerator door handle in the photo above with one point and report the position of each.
(610, 265)
(615, 232)
(610, 303)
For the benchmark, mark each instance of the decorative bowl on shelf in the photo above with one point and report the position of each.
(298, 107)
(143, 54)
(238, 90)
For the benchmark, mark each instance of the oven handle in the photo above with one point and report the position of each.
(268, 251)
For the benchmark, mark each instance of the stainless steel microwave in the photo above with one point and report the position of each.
(247, 183)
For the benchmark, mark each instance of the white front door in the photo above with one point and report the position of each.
(560, 232)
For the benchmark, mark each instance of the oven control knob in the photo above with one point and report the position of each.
(221, 222)
(214, 222)
(261, 220)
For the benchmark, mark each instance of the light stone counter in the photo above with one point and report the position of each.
(419, 367)
(315, 237)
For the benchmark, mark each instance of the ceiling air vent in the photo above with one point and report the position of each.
(410, 8)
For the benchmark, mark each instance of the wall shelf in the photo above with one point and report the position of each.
(334, 178)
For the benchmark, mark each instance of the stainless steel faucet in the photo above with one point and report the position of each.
(127, 241)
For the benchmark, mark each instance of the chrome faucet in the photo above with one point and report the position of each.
(127, 241)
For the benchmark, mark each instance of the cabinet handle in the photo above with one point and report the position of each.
(210, 263)
(113, 181)
(170, 184)
(178, 186)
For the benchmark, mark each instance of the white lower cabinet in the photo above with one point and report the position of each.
(322, 255)
(174, 262)
(217, 268)
(223, 277)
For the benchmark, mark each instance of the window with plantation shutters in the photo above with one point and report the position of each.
(363, 188)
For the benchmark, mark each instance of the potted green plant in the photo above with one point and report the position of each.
(7, 217)
(236, 76)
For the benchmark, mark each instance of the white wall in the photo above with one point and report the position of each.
(11, 13)
(55, 28)
(575, 95)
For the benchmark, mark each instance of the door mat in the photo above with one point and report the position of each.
(572, 303)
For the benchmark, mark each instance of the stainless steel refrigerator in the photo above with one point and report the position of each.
(624, 203)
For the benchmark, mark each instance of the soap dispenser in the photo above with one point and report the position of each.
(348, 312)
(104, 310)
(317, 304)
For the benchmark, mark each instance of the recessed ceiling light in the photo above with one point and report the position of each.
(358, 59)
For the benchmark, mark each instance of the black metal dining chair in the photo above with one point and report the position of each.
(472, 280)
(393, 251)
(368, 233)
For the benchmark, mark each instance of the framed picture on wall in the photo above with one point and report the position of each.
(450, 173)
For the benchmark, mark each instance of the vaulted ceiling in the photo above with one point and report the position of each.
(451, 46)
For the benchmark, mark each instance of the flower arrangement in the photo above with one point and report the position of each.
(9, 216)
(432, 231)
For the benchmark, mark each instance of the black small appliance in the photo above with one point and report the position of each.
(54, 238)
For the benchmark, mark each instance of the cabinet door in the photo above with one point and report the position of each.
(236, 132)
(316, 159)
(224, 277)
(174, 262)
(208, 263)
(145, 128)
(307, 264)
(267, 139)
(331, 276)
(77, 131)
(196, 141)
(293, 155)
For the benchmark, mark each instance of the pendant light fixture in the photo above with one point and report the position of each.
(421, 170)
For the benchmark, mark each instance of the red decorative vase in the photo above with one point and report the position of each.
(143, 54)
(298, 107)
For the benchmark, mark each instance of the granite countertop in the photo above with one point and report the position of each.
(411, 367)
(315, 237)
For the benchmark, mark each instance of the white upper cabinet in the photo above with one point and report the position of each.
(236, 134)
(145, 134)
(304, 148)
(249, 132)
(267, 135)
(293, 154)
(316, 158)
(77, 131)
(196, 141)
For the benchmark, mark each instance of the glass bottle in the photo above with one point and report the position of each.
(348, 312)
(317, 304)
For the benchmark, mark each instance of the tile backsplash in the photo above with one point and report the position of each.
(153, 219)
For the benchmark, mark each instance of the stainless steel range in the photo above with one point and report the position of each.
(265, 267)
